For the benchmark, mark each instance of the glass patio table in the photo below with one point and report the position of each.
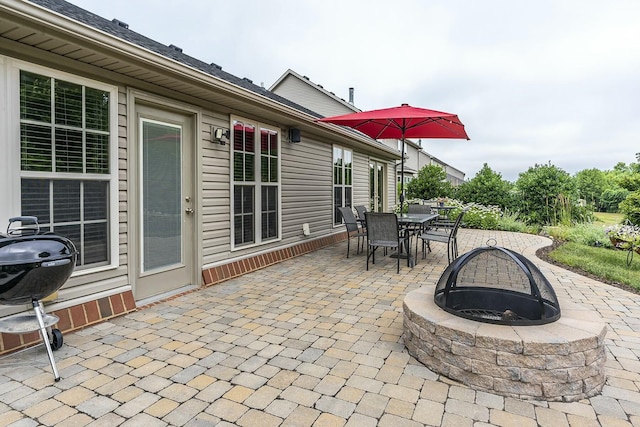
(416, 219)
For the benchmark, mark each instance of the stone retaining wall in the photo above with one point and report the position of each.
(559, 361)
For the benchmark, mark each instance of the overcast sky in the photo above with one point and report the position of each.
(534, 82)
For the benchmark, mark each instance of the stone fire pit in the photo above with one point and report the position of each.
(559, 361)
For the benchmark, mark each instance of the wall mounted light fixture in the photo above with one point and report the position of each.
(294, 135)
(218, 133)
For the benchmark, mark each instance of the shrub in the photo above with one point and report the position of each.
(486, 188)
(630, 207)
(511, 222)
(477, 215)
(430, 183)
(546, 195)
(480, 216)
(404, 207)
(585, 234)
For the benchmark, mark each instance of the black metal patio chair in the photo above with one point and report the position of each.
(443, 235)
(353, 229)
(361, 210)
(383, 231)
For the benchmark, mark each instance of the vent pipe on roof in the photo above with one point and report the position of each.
(351, 95)
(120, 23)
(176, 48)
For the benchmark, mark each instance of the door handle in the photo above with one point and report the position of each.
(189, 211)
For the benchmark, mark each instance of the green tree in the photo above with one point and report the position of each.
(635, 167)
(630, 206)
(430, 183)
(611, 199)
(486, 188)
(591, 183)
(620, 182)
(630, 182)
(547, 195)
(618, 173)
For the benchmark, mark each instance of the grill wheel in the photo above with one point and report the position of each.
(56, 339)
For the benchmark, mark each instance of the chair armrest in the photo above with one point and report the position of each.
(442, 224)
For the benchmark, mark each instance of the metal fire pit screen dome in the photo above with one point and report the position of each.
(496, 285)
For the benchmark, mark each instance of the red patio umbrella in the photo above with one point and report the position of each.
(402, 122)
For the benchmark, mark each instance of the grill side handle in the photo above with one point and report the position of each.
(28, 225)
(56, 263)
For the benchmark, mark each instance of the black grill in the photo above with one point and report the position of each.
(497, 285)
(33, 265)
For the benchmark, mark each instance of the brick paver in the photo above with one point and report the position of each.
(311, 341)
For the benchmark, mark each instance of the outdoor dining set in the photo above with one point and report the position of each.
(424, 223)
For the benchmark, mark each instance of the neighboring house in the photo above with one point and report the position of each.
(454, 176)
(301, 90)
(412, 156)
(167, 173)
(378, 194)
(416, 158)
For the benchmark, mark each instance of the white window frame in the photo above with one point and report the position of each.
(342, 185)
(256, 183)
(10, 115)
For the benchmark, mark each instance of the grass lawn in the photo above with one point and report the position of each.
(586, 248)
(608, 264)
(608, 218)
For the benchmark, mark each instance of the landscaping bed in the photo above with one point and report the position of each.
(543, 254)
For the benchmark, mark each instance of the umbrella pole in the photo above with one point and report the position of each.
(402, 175)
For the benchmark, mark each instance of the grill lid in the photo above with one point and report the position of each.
(24, 243)
(34, 249)
(497, 285)
(32, 265)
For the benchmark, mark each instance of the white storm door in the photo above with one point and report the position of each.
(165, 204)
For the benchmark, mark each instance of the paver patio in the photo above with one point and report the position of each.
(312, 341)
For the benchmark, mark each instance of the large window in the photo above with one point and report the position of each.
(342, 181)
(256, 183)
(65, 161)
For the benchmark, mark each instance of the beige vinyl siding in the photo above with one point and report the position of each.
(123, 250)
(307, 191)
(306, 197)
(301, 93)
(360, 179)
(391, 185)
(215, 197)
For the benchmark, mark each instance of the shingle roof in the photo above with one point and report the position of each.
(121, 30)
